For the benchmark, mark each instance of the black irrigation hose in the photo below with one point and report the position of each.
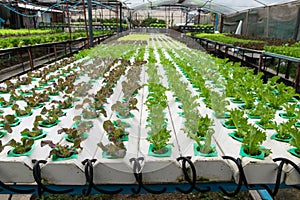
(7, 187)
(277, 184)
(89, 175)
(192, 181)
(37, 177)
(137, 172)
(285, 161)
(242, 177)
(139, 178)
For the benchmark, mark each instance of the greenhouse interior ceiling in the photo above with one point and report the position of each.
(220, 6)
(225, 7)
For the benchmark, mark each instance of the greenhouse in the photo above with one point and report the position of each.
(198, 99)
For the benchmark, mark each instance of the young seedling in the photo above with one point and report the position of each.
(66, 103)
(206, 131)
(285, 130)
(266, 119)
(116, 146)
(82, 125)
(72, 133)
(8, 121)
(24, 80)
(53, 111)
(124, 108)
(21, 112)
(290, 111)
(87, 110)
(62, 151)
(21, 147)
(252, 141)
(5, 103)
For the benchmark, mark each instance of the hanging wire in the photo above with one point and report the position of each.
(49, 8)
(35, 15)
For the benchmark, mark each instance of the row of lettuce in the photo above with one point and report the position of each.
(22, 32)
(278, 46)
(222, 84)
(20, 41)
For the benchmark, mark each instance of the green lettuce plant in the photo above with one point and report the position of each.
(253, 140)
(21, 112)
(285, 130)
(21, 147)
(206, 131)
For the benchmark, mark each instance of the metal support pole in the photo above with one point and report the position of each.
(90, 16)
(261, 57)
(297, 77)
(21, 56)
(278, 67)
(246, 23)
(297, 26)
(117, 16)
(268, 22)
(221, 23)
(69, 25)
(30, 58)
(217, 22)
(288, 69)
(86, 27)
(55, 53)
(121, 28)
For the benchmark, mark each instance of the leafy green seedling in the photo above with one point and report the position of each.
(285, 130)
(21, 147)
(21, 112)
(62, 151)
(252, 141)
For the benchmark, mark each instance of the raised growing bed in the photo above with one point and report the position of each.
(155, 109)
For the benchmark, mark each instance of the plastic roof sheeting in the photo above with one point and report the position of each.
(220, 6)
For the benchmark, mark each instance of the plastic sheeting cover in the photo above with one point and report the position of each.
(220, 6)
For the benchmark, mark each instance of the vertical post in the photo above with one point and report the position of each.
(66, 52)
(70, 31)
(297, 77)
(217, 22)
(288, 70)
(90, 16)
(199, 16)
(261, 57)
(268, 22)
(186, 17)
(246, 23)
(86, 27)
(278, 66)
(117, 16)
(48, 52)
(221, 23)
(30, 58)
(226, 52)
(121, 28)
(21, 56)
(297, 26)
(181, 13)
(166, 14)
(55, 53)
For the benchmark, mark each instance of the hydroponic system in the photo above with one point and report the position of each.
(154, 108)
